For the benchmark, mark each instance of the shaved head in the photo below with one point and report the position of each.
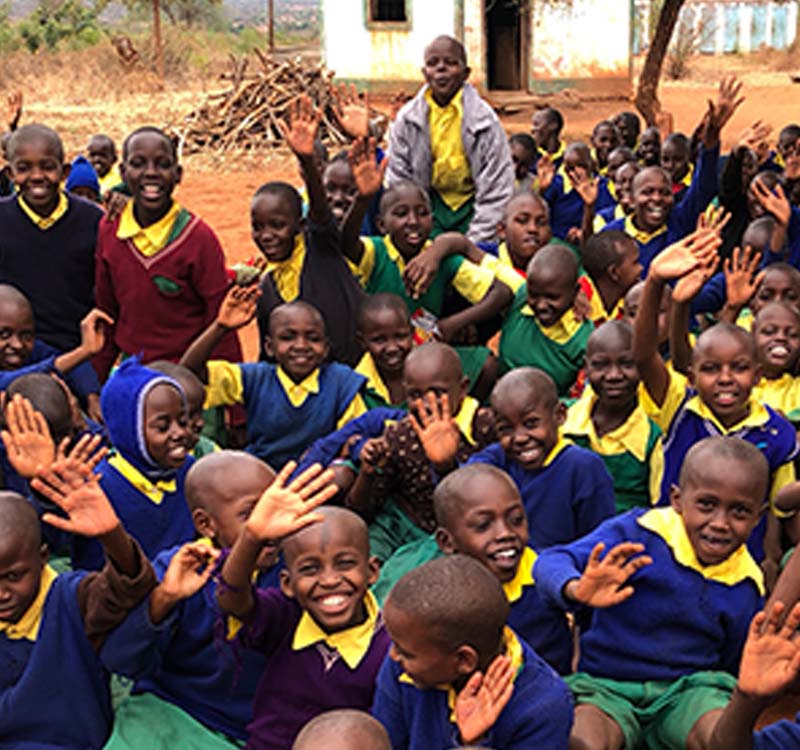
(724, 330)
(556, 262)
(285, 311)
(525, 384)
(348, 524)
(436, 357)
(457, 47)
(217, 476)
(450, 493)
(612, 336)
(19, 524)
(345, 729)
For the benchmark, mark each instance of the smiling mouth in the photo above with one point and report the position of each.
(151, 192)
(506, 559)
(726, 398)
(333, 604)
(529, 455)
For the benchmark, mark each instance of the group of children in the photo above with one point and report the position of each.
(516, 471)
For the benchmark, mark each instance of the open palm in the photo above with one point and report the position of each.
(483, 698)
(771, 656)
(602, 582)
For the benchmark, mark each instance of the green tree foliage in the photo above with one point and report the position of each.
(54, 23)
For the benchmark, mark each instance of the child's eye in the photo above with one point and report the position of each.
(530, 424)
(308, 569)
(517, 519)
(346, 563)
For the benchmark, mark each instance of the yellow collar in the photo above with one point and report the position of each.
(597, 311)
(465, 417)
(523, 577)
(505, 258)
(557, 154)
(669, 526)
(153, 491)
(560, 445)
(756, 417)
(687, 178)
(45, 222)
(640, 235)
(512, 648)
(286, 273)
(297, 393)
(562, 330)
(151, 239)
(351, 644)
(28, 625)
(396, 256)
(632, 435)
(457, 102)
(369, 370)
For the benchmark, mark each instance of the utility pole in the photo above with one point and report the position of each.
(271, 26)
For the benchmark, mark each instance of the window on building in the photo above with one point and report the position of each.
(388, 11)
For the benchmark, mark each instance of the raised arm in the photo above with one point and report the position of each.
(368, 177)
(92, 341)
(742, 278)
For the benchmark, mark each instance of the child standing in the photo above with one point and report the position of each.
(103, 156)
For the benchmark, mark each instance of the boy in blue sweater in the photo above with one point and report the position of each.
(457, 675)
(670, 603)
(54, 689)
(182, 687)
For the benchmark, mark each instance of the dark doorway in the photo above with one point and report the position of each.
(506, 44)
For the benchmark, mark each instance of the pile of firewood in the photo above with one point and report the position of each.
(245, 117)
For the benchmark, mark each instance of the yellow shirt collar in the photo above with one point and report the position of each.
(687, 178)
(297, 393)
(396, 256)
(562, 330)
(640, 235)
(457, 102)
(511, 648)
(465, 417)
(286, 273)
(151, 239)
(154, 491)
(669, 526)
(351, 644)
(597, 310)
(557, 154)
(28, 625)
(756, 417)
(523, 577)
(369, 370)
(632, 435)
(45, 222)
(560, 445)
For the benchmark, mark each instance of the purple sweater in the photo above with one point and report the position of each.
(298, 685)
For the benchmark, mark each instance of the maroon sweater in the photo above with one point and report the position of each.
(161, 303)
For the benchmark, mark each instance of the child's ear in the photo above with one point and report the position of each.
(444, 540)
(466, 660)
(613, 272)
(268, 346)
(560, 413)
(463, 388)
(374, 567)
(286, 584)
(380, 224)
(675, 498)
(501, 230)
(467, 72)
(690, 374)
(204, 523)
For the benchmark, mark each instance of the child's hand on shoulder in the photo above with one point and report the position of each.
(29, 445)
(301, 131)
(189, 570)
(239, 306)
(114, 202)
(436, 429)
(483, 698)
(93, 335)
(742, 277)
(602, 583)
(374, 455)
(367, 173)
(684, 256)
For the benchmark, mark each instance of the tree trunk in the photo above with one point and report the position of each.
(647, 91)
(157, 47)
(271, 27)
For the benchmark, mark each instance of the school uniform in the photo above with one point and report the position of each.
(283, 417)
(781, 735)
(683, 216)
(598, 313)
(557, 157)
(376, 392)
(538, 715)
(653, 661)
(566, 498)
(307, 670)
(781, 394)
(53, 687)
(558, 349)
(82, 380)
(51, 260)
(163, 285)
(110, 180)
(632, 453)
(607, 215)
(566, 204)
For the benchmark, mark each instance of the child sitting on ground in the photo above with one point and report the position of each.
(609, 420)
(523, 155)
(103, 156)
(670, 603)
(449, 141)
(145, 414)
(457, 675)
(289, 404)
(541, 329)
(394, 488)
(167, 645)
(611, 261)
(160, 270)
(321, 631)
(53, 626)
(345, 729)
(480, 514)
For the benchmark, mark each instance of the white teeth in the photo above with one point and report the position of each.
(335, 600)
(506, 554)
(779, 350)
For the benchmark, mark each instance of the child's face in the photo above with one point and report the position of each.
(195, 398)
(16, 334)
(20, 578)
(527, 429)
(575, 158)
(101, 155)
(719, 509)
(724, 372)
(650, 147)
(423, 375)
(426, 662)
(542, 128)
(522, 159)
(675, 159)
(274, 224)
(754, 208)
(777, 286)
(84, 191)
(777, 337)
(627, 130)
(616, 158)
(166, 426)
(490, 526)
(612, 372)
(151, 171)
(652, 200)
(408, 221)
(604, 139)
(297, 342)
(623, 184)
(37, 171)
(386, 334)
(328, 571)
(550, 294)
(629, 268)
(788, 144)
(340, 189)
(632, 300)
(444, 70)
(526, 229)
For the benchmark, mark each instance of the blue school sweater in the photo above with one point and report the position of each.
(82, 380)
(683, 217)
(782, 735)
(179, 660)
(53, 690)
(566, 498)
(566, 204)
(155, 525)
(538, 716)
(683, 617)
(53, 268)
